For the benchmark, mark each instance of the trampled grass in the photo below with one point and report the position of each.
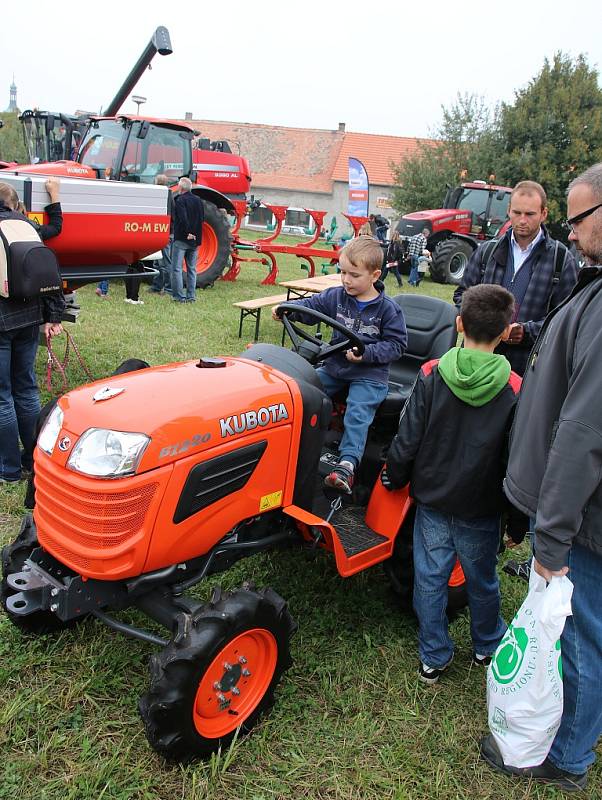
(351, 719)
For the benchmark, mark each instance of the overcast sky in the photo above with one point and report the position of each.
(381, 67)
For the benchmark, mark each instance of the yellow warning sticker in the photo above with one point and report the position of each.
(270, 500)
(36, 216)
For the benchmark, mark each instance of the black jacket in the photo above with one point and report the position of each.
(19, 313)
(188, 217)
(555, 463)
(452, 454)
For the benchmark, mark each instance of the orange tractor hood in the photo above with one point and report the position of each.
(184, 408)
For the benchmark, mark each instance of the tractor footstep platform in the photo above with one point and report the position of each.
(355, 536)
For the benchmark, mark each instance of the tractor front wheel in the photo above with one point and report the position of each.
(14, 557)
(220, 677)
(449, 261)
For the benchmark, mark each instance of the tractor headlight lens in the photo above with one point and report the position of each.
(108, 454)
(50, 431)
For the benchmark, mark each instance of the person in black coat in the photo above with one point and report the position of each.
(20, 321)
(189, 216)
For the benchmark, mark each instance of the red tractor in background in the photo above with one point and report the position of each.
(471, 213)
(136, 149)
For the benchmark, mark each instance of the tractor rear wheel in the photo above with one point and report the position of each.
(13, 558)
(220, 677)
(449, 261)
(399, 569)
(214, 250)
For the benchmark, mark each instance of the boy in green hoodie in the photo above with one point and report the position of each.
(450, 448)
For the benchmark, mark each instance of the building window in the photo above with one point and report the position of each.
(260, 216)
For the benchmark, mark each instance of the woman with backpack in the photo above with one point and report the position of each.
(20, 320)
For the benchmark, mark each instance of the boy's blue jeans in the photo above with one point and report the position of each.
(19, 399)
(363, 399)
(437, 539)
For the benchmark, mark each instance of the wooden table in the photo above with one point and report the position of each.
(304, 286)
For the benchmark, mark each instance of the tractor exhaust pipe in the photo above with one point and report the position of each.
(160, 43)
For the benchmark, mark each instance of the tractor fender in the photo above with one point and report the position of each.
(474, 243)
(213, 196)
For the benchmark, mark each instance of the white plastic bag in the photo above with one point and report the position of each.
(524, 679)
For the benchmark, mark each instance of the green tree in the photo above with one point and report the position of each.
(12, 147)
(465, 143)
(553, 130)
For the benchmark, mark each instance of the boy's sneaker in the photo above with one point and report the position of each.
(341, 477)
(431, 675)
(518, 569)
(481, 661)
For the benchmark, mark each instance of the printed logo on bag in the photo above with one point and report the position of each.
(499, 720)
(559, 663)
(510, 655)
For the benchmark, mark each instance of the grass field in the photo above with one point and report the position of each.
(351, 719)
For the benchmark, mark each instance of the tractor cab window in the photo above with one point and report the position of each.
(35, 138)
(153, 150)
(57, 137)
(475, 200)
(100, 146)
(498, 212)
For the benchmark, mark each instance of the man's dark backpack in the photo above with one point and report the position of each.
(27, 267)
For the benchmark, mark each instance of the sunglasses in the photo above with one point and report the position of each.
(569, 224)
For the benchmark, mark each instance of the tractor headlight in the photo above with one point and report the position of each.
(108, 454)
(50, 431)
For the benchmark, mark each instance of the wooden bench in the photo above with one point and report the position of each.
(252, 308)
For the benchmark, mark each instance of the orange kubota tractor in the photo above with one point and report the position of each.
(147, 483)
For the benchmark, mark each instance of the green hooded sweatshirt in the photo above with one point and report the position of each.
(475, 377)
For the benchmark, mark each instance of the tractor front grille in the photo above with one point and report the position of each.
(68, 515)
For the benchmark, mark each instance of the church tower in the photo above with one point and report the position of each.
(12, 105)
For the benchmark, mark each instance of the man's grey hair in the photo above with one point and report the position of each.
(185, 184)
(592, 177)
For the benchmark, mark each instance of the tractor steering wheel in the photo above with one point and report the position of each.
(315, 350)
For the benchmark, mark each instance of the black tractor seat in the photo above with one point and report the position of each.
(431, 326)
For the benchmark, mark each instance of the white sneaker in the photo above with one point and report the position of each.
(127, 300)
(138, 302)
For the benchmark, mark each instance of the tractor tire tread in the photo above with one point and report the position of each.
(166, 708)
(215, 219)
(439, 269)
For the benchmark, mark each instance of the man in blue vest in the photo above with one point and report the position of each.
(539, 271)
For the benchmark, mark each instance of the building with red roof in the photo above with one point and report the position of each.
(308, 167)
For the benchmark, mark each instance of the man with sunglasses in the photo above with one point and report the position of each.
(539, 271)
(555, 476)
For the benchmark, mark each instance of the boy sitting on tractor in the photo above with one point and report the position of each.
(451, 448)
(362, 306)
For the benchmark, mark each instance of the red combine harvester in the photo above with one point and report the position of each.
(471, 213)
(136, 149)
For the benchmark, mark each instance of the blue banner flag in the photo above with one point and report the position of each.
(358, 189)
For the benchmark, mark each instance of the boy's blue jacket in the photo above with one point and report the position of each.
(380, 325)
